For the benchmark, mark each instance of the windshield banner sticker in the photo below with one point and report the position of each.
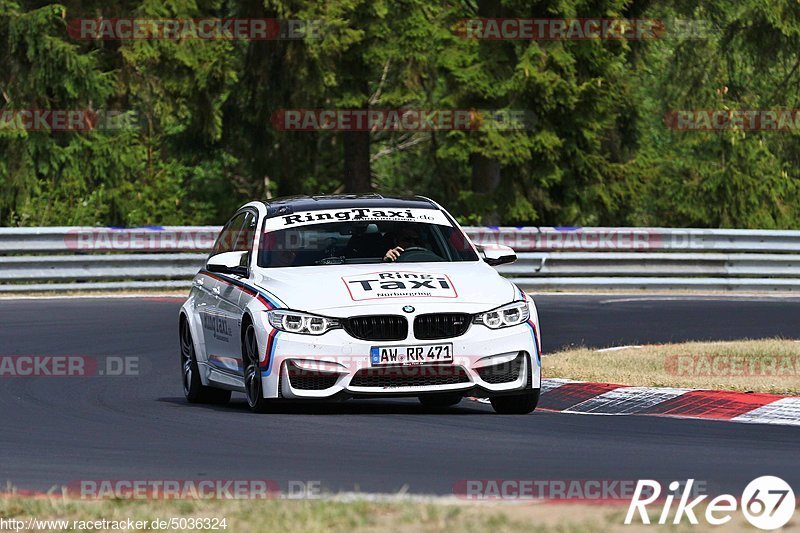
(379, 285)
(356, 214)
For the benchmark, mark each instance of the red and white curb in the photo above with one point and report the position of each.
(589, 398)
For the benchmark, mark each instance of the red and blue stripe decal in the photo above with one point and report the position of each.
(535, 343)
(266, 364)
(267, 300)
(531, 325)
(522, 295)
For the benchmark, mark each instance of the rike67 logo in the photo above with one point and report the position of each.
(767, 502)
(377, 285)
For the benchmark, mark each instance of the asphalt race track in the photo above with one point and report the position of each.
(59, 430)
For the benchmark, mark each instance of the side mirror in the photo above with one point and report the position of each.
(229, 263)
(497, 254)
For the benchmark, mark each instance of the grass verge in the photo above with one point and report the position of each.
(360, 515)
(768, 365)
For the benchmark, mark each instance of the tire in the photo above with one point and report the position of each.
(193, 387)
(253, 387)
(440, 400)
(518, 404)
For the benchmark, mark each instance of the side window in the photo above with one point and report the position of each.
(244, 241)
(227, 238)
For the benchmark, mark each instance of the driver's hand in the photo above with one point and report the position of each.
(393, 254)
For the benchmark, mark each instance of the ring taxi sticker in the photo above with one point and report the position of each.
(359, 214)
(399, 285)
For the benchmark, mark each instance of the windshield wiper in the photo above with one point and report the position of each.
(337, 260)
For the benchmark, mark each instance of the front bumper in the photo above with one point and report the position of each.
(489, 362)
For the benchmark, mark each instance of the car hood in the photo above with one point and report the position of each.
(336, 289)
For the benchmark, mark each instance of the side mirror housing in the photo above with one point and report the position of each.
(497, 254)
(229, 263)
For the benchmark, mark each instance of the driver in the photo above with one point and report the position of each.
(406, 237)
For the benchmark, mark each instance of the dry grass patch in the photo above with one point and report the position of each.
(769, 365)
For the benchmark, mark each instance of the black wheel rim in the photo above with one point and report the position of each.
(187, 355)
(252, 373)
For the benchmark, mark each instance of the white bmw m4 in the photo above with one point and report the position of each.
(357, 296)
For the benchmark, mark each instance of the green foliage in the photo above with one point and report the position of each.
(597, 152)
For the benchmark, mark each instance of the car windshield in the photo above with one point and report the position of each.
(354, 242)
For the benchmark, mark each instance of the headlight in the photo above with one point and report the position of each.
(505, 316)
(304, 323)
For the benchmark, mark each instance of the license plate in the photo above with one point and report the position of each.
(411, 355)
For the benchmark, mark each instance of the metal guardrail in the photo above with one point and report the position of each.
(85, 258)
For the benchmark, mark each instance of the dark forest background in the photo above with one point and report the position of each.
(599, 152)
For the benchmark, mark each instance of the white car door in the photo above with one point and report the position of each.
(220, 328)
(230, 297)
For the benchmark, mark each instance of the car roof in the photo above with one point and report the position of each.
(290, 204)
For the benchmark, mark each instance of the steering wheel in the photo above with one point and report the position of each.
(417, 254)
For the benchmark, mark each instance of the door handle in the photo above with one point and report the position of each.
(198, 282)
(215, 290)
